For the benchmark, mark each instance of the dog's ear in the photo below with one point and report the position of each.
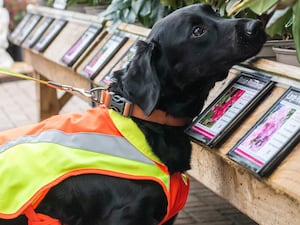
(140, 82)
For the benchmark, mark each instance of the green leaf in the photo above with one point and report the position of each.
(151, 12)
(172, 3)
(129, 16)
(296, 28)
(277, 22)
(257, 6)
(137, 5)
(146, 10)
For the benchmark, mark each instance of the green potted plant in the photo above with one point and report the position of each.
(147, 12)
(283, 20)
(88, 6)
(132, 11)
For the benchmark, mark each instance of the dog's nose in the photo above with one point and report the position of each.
(253, 27)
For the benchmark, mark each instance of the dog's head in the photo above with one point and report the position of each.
(184, 55)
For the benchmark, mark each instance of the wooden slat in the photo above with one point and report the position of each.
(277, 68)
(63, 42)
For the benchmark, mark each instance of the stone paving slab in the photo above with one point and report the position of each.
(18, 106)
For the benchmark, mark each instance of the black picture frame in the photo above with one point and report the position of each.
(33, 37)
(81, 44)
(12, 36)
(122, 63)
(229, 108)
(28, 27)
(49, 35)
(104, 55)
(272, 137)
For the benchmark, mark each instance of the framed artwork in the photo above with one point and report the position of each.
(49, 35)
(31, 40)
(122, 63)
(19, 27)
(103, 55)
(229, 108)
(76, 50)
(28, 27)
(272, 137)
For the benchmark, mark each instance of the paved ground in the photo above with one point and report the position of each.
(18, 107)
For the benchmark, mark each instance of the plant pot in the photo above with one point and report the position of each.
(267, 51)
(76, 8)
(286, 55)
(94, 10)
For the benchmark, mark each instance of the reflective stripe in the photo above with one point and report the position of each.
(113, 145)
(133, 134)
(29, 169)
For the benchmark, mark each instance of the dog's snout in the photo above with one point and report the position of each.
(252, 28)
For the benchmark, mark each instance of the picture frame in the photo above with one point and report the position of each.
(13, 35)
(122, 63)
(25, 31)
(239, 98)
(32, 39)
(81, 44)
(104, 55)
(49, 35)
(272, 137)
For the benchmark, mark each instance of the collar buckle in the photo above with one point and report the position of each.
(115, 102)
(120, 104)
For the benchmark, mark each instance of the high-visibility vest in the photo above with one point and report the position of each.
(35, 158)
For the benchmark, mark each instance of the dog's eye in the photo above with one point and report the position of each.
(217, 12)
(198, 31)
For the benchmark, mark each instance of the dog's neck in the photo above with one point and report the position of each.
(165, 135)
(160, 117)
(112, 100)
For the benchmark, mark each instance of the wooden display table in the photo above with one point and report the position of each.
(274, 200)
(270, 201)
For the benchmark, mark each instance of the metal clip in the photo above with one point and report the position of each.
(97, 94)
(100, 95)
(93, 94)
(120, 104)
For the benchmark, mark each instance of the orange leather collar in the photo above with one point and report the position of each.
(159, 116)
(132, 110)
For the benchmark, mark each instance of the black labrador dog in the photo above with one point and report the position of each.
(173, 71)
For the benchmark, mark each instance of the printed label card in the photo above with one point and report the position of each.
(122, 63)
(73, 54)
(228, 109)
(272, 137)
(103, 55)
(19, 27)
(34, 36)
(49, 35)
(30, 24)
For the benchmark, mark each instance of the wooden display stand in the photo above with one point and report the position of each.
(270, 201)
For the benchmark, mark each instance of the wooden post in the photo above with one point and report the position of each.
(48, 103)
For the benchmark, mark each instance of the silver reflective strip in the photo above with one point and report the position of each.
(95, 142)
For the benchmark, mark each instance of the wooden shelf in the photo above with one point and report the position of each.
(270, 201)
